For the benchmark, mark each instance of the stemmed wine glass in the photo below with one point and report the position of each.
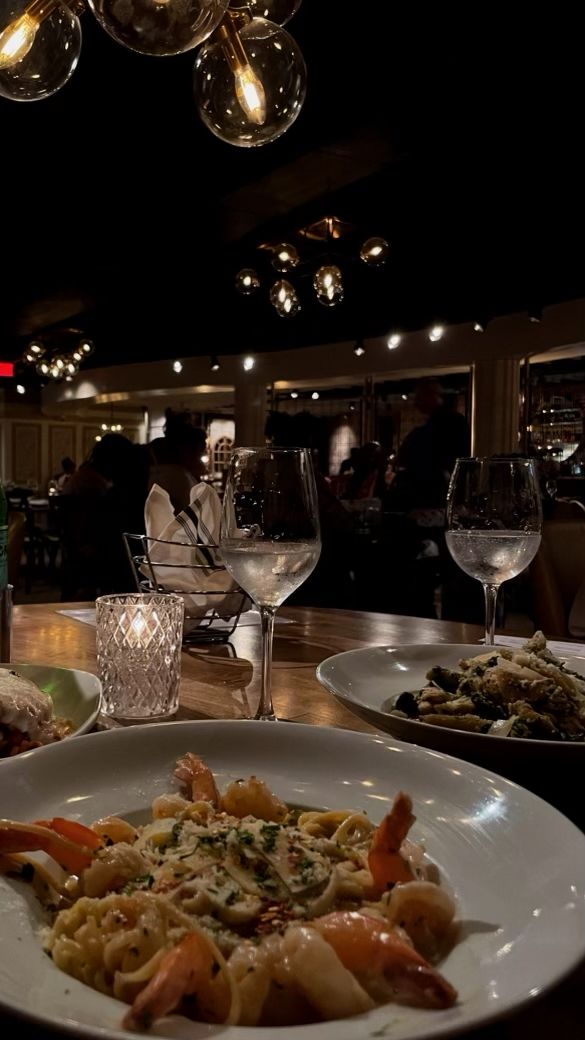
(270, 538)
(494, 520)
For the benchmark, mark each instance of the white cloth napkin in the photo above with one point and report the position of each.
(187, 565)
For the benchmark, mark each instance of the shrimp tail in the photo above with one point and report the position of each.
(71, 854)
(387, 865)
(198, 779)
(183, 971)
(367, 945)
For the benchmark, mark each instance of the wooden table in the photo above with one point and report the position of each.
(222, 681)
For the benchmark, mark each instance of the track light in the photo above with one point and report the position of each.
(394, 341)
(479, 326)
(214, 363)
(359, 349)
(437, 332)
(248, 363)
(177, 367)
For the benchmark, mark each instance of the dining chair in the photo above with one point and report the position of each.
(15, 546)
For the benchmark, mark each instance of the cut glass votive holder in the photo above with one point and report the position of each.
(138, 643)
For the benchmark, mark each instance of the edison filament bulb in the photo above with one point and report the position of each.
(159, 27)
(40, 44)
(285, 257)
(249, 81)
(247, 281)
(284, 299)
(328, 285)
(374, 251)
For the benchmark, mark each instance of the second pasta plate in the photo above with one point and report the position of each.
(514, 864)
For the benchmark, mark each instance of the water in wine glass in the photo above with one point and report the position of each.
(269, 571)
(494, 519)
(270, 537)
(493, 556)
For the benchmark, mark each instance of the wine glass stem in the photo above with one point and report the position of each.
(265, 707)
(491, 599)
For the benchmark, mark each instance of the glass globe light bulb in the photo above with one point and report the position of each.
(374, 251)
(159, 27)
(249, 82)
(55, 371)
(247, 281)
(328, 284)
(33, 352)
(279, 11)
(285, 257)
(40, 44)
(43, 369)
(59, 362)
(86, 347)
(71, 368)
(284, 299)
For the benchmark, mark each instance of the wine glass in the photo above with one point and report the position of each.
(270, 538)
(494, 520)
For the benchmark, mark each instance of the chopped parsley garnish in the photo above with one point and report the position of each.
(245, 837)
(306, 867)
(270, 832)
(144, 881)
(176, 832)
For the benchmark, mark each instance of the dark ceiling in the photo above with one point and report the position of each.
(457, 139)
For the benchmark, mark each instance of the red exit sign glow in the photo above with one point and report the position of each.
(6, 370)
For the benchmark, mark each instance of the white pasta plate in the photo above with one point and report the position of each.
(516, 865)
(369, 682)
(76, 695)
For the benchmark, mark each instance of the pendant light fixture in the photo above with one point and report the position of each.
(249, 76)
(324, 265)
(57, 355)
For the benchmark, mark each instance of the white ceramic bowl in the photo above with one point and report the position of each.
(516, 865)
(76, 695)
(369, 682)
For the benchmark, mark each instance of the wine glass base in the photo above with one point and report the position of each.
(266, 718)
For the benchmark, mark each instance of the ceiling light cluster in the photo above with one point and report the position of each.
(58, 356)
(111, 427)
(249, 77)
(325, 271)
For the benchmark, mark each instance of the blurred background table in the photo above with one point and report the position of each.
(222, 681)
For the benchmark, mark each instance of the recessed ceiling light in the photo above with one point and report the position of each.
(177, 366)
(437, 332)
(214, 363)
(405, 397)
(359, 349)
(20, 389)
(294, 395)
(394, 341)
(248, 363)
(315, 395)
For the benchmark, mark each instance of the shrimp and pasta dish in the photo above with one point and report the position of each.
(234, 908)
